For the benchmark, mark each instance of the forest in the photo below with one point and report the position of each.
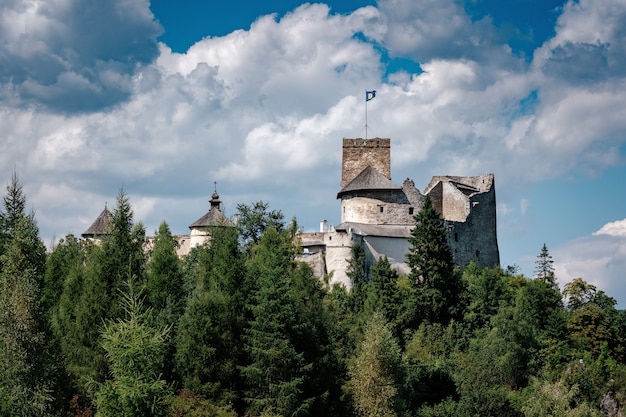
(239, 328)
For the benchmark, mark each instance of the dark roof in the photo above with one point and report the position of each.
(101, 226)
(369, 179)
(214, 217)
(383, 230)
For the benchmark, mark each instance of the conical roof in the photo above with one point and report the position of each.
(101, 226)
(369, 179)
(214, 217)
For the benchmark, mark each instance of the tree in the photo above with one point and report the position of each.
(276, 374)
(358, 273)
(544, 269)
(555, 399)
(164, 286)
(432, 270)
(210, 331)
(27, 385)
(135, 352)
(376, 375)
(254, 220)
(384, 295)
(65, 255)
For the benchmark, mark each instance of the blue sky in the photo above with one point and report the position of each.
(165, 98)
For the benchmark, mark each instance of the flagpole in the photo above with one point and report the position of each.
(366, 115)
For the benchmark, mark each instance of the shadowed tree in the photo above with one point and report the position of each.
(28, 371)
(438, 286)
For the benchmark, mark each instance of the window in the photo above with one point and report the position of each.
(456, 237)
(381, 209)
(410, 210)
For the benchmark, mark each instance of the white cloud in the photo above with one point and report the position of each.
(599, 259)
(616, 228)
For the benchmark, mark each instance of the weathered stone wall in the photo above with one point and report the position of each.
(475, 239)
(338, 253)
(359, 153)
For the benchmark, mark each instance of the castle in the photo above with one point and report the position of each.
(378, 214)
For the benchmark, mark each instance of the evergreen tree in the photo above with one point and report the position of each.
(210, 331)
(277, 371)
(544, 269)
(135, 352)
(438, 286)
(358, 273)
(384, 296)
(65, 255)
(165, 286)
(28, 372)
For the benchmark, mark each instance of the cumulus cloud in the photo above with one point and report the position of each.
(599, 259)
(73, 56)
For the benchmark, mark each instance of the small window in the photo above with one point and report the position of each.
(381, 209)
(411, 210)
(477, 253)
(456, 237)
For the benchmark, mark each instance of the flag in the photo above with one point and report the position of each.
(370, 95)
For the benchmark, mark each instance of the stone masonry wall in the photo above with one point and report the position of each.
(359, 153)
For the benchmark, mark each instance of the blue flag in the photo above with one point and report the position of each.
(370, 95)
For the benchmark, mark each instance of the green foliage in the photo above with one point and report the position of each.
(358, 273)
(135, 352)
(29, 375)
(544, 269)
(254, 220)
(376, 374)
(66, 255)
(276, 374)
(210, 331)
(438, 286)
(555, 399)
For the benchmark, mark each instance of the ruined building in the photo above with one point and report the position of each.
(379, 214)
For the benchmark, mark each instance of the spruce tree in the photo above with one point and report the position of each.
(28, 372)
(544, 269)
(438, 287)
(276, 374)
(210, 330)
(135, 352)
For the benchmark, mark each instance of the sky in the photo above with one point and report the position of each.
(165, 99)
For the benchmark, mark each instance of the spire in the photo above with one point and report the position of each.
(215, 198)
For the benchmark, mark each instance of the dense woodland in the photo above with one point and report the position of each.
(240, 328)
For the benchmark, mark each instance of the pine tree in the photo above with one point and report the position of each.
(384, 296)
(438, 287)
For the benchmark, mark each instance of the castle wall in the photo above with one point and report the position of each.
(359, 153)
(371, 210)
(475, 239)
(338, 254)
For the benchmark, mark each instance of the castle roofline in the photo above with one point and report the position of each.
(369, 179)
(467, 185)
(214, 217)
(101, 226)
